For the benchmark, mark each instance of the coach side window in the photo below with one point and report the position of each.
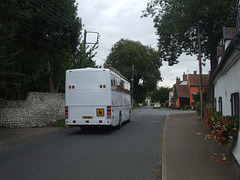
(126, 87)
(112, 81)
(121, 85)
(117, 83)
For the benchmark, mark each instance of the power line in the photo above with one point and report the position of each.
(152, 44)
(62, 14)
(104, 49)
(85, 43)
(61, 17)
(40, 43)
(52, 16)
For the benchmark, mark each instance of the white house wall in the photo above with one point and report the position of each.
(225, 86)
(171, 93)
(228, 82)
(226, 44)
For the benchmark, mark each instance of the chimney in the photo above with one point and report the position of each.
(184, 77)
(194, 72)
(177, 80)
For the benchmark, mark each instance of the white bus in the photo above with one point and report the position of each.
(96, 97)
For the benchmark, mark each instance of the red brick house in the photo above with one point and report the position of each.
(193, 85)
(180, 93)
(184, 91)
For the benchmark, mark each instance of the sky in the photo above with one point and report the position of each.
(117, 19)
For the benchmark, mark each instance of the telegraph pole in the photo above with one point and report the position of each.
(132, 84)
(84, 47)
(200, 69)
(85, 43)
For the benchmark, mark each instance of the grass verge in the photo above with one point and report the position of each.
(58, 123)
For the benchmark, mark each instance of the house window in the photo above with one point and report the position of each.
(174, 103)
(215, 103)
(235, 105)
(220, 104)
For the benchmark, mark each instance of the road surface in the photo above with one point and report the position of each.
(131, 153)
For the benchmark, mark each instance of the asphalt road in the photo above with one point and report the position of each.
(131, 153)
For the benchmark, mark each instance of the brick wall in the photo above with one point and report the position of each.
(39, 109)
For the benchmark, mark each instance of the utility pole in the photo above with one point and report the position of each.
(200, 70)
(132, 84)
(85, 43)
(84, 47)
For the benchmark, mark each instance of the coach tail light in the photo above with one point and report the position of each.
(66, 112)
(109, 112)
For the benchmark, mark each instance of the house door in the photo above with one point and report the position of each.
(184, 102)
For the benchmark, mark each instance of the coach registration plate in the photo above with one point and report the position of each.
(87, 117)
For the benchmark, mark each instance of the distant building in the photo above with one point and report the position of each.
(193, 85)
(183, 91)
(180, 93)
(171, 93)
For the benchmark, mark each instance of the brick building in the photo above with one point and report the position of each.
(184, 91)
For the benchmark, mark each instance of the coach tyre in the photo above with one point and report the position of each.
(120, 121)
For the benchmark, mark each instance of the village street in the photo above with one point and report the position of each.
(132, 152)
(156, 143)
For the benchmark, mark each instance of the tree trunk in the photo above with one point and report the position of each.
(57, 86)
(50, 80)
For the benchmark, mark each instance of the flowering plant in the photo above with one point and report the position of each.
(223, 127)
(212, 117)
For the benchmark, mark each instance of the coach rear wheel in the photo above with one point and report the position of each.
(120, 121)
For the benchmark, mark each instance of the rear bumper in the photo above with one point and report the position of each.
(91, 122)
(91, 126)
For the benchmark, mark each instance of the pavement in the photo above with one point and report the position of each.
(188, 155)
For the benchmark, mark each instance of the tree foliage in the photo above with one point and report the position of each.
(160, 95)
(197, 99)
(39, 41)
(146, 61)
(176, 21)
(89, 55)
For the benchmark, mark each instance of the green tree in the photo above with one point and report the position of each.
(146, 61)
(52, 26)
(160, 95)
(197, 100)
(176, 22)
(39, 40)
(9, 71)
(89, 55)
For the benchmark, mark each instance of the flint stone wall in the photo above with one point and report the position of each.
(39, 109)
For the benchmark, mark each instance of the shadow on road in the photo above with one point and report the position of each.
(96, 130)
(93, 131)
